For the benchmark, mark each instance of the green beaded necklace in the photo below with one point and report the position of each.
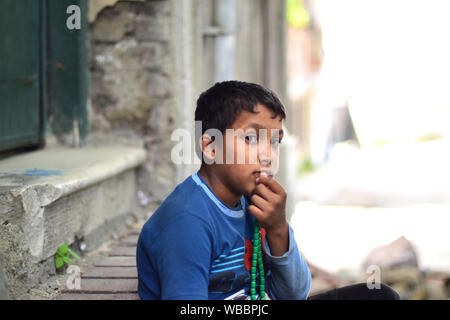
(257, 259)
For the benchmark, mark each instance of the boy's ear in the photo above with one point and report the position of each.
(208, 148)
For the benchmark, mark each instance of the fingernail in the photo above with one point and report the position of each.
(257, 180)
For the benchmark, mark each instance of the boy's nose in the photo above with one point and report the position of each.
(265, 154)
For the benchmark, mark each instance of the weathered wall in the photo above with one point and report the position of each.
(132, 95)
(250, 41)
(3, 285)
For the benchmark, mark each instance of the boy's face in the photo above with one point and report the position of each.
(251, 147)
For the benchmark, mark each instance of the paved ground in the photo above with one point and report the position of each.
(114, 277)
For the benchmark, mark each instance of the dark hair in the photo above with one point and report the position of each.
(219, 106)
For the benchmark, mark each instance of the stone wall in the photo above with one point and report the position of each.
(131, 87)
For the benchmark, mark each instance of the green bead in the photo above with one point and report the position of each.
(257, 260)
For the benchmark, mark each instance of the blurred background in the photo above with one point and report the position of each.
(367, 81)
(91, 91)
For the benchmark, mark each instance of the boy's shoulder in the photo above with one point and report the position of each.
(192, 203)
(187, 199)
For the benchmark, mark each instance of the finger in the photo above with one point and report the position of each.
(255, 211)
(262, 190)
(271, 183)
(259, 202)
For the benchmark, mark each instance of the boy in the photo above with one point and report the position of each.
(199, 243)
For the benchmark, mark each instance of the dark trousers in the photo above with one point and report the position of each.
(358, 291)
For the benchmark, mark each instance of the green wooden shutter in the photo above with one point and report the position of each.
(68, 69)
(21, 81)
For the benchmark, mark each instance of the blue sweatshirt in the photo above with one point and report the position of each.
(195, 246)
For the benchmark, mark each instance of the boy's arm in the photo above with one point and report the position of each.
(183, 265)
(290, 276)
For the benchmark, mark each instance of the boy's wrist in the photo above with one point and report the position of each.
(278, 239)
(278, 229)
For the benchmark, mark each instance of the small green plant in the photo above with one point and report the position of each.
(62, 256)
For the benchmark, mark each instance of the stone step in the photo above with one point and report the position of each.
(98, 296)
(111, 273)
(113, 277)
(78, 196)
(124, 251)
(115, 261)
(130, 241)
(106, 285)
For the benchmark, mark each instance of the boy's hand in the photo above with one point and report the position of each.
(268, 207)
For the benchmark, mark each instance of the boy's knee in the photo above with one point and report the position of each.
(383, 292)
(359, 291)
(388, 293)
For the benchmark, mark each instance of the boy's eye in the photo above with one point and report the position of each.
(251, 138)
(275, 142)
